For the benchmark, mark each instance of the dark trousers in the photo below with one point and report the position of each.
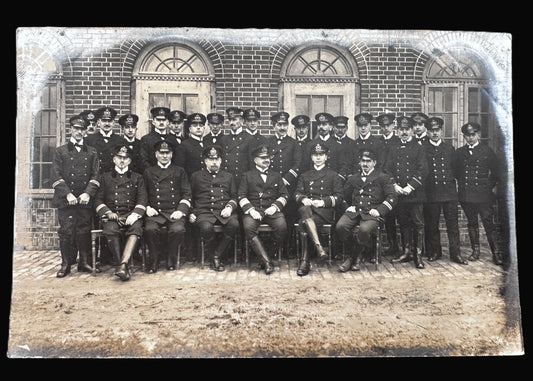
(206, 229)
(277, 222)
(432, 212)
(155, 237)
(485, 211)
(411, 221)
(346, 226)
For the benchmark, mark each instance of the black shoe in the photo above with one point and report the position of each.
(459, 260)
(303, 269)
(269, 268)
(63, 271)
(217, 264)
(84, 268)
(123, 272)
(346, 265)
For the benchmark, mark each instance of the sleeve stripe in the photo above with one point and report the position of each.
(418, 181)
(95, 182)
(282, 200)
(293, 172)
(186, 202)
(387, 204)
(57, 183)
(100, 207)
(244, 202)
(332, 201)
(140, 207)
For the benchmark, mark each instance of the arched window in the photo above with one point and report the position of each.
(457, 90)
(174, 75)
(320, 78)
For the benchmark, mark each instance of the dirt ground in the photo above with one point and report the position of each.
(242, 313)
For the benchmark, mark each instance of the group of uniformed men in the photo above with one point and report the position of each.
(166, 183)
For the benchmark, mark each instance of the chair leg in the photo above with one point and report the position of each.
(202, 251)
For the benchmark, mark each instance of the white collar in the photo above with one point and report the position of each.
(261, 170)
(365, 137)
(387, 137)
(128, 139)
(301, 139)
(473, 145)
(340, 138)
(438, 143)
(108, 135)
(366, 174)
(236, 132)
(279, 136)
(160, 132)
(319, 167)
(121, 171)
(252, 132)
(408, 140)
(215, 135)
(164, 166)
(423, 134)
(195, 137)
(74, 141)
(324, 138)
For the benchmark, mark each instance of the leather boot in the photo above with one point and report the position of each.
(313, 233)
(66, 257)
(418, 247)
(473, 234)
(129, 248)
(113, 243)
(84, 246)
(356, 266)
(494, 248)
(219, 252)
(304, 265)
(405, 254)
(259, 249)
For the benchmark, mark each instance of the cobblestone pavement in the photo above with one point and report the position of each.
(42, 264)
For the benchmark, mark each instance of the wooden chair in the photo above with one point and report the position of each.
(263, 228)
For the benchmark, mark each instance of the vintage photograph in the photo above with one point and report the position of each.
(201, 192)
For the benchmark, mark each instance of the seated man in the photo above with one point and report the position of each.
(368, 197)
(214, 203)
(318, 191)
(169, 200)
(262, 197)
(121, 204)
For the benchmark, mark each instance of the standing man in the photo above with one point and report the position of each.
(318, 192)
(105, 140)
(441, 194)
(262, 197)
(478, 176)
(236, 145)
(251, 123)
(368, 197)
(301, 125)
(121, 204)
(365, 140)
(129, 131)
(419, 128)
(159, 133)
(389, 140)
(191, 149)
(215, 122)
(214, 202)
(169, 200)
(75, 181)
(177, 125)
(408, 168)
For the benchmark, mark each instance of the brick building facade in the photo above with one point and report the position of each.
(460, 76)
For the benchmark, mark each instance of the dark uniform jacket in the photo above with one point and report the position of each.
(74, 172)
(168, 189)
(211, 139)
(148, 142)
(105, 146)
(189, 156)
(346, 147)
(255, 193)
(335, 158)
(376, 192)
(121, 193)
(407, 165)
(211, 194)
(476, 174)
(303, 142)
(256, 140)
(440, 182)
(388, 144)
(324, 184)
(422, 139)
(136, 160)
(286, 158)
(236, 153)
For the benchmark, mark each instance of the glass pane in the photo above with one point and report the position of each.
(53, 97)
(45, 98)
(175, 102)
(36, 151)
(449, 101)
(302, 105)
(431, 100)
(35, 176)
(438, 100)
(319, 62)
(318, 104)
(53, 123)
(156, 100)
(473, 100)
(448, 125)
(485, 101)
(191, 103)
(48, 145)
(484, 126)
(46, 181)
(335, 105)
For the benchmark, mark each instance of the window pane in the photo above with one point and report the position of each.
(438, 100)
(48, 145)
(473, 100)
(302, 105)
(318, 104)
(53, 123)
(448, 126)
(175, 102)
(335, 105)
(156, 100)
(449, 101)
(46, 181)
(191, 103)
(35, 176)
(485, 101)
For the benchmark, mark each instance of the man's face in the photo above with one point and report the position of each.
(213, 164)
(160, 123)
(215, 128)
(367, 163)
(78, 133)
(319, 158)
(262, 162)
(121, 162)
(176, 127)
(365, 129)
(405, 132)
(164, 157)
(419, 128)
(340, 131)
(472, 138)
(235, 123)
(301, 132)
(435, 134)
(91, 129)
(130, 131)
(105, 125)
(281, 128)
(251, 124)
(324, 128)
(197, 129)
(386, 129)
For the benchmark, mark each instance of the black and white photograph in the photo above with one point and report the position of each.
(239, 193)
